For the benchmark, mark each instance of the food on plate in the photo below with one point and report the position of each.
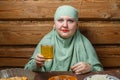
(98, 77)
(63, 77)
(15, 78)
(101, 77)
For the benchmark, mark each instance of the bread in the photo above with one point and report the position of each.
(15, 78)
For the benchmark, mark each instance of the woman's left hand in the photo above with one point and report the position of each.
(81, 68)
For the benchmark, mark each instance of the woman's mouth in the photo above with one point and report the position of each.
(64, 30)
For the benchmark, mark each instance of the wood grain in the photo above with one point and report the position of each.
(109, 56)
(31, 34)
(38, 9)
(8, 62)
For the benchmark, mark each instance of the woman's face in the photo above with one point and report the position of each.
(65, 26)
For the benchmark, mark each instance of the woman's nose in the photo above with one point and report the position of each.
(65, 24)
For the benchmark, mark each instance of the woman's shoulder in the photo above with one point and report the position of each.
(84, 39)
(47, 37)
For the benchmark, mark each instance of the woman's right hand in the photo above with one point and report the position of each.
(40, 60)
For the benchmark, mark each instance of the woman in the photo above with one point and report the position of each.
(72, 50)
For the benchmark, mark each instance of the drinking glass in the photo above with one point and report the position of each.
(47, 51)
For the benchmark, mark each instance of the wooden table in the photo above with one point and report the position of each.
(47, 75)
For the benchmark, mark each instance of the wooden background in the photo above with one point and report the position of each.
(24, 22)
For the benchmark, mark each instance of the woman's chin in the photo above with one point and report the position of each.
(65, 36)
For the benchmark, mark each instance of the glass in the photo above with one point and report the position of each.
(47, 51)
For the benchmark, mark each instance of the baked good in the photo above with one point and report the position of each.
(15, 78)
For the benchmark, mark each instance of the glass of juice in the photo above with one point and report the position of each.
(47, 51)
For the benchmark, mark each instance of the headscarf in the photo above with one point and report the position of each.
(66, 10)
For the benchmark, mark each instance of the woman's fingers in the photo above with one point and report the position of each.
(39, 59)
(81, 68)
(76, 68)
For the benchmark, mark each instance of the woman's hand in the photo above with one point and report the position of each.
(40, 60)
(81, 68)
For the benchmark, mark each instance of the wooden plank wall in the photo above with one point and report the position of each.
(24, 22)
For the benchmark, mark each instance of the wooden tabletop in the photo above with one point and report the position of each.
(47, 75)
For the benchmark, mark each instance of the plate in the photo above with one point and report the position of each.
(17, 72)
(63, 77)
(101, 77)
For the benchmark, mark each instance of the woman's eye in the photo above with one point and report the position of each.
(60, 20)
(71, 21)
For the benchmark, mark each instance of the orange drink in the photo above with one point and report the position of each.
(47, 51)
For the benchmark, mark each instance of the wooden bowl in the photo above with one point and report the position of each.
(63, 77)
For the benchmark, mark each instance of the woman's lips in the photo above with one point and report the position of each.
(64, 30)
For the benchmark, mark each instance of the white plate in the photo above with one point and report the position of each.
(100, 77)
